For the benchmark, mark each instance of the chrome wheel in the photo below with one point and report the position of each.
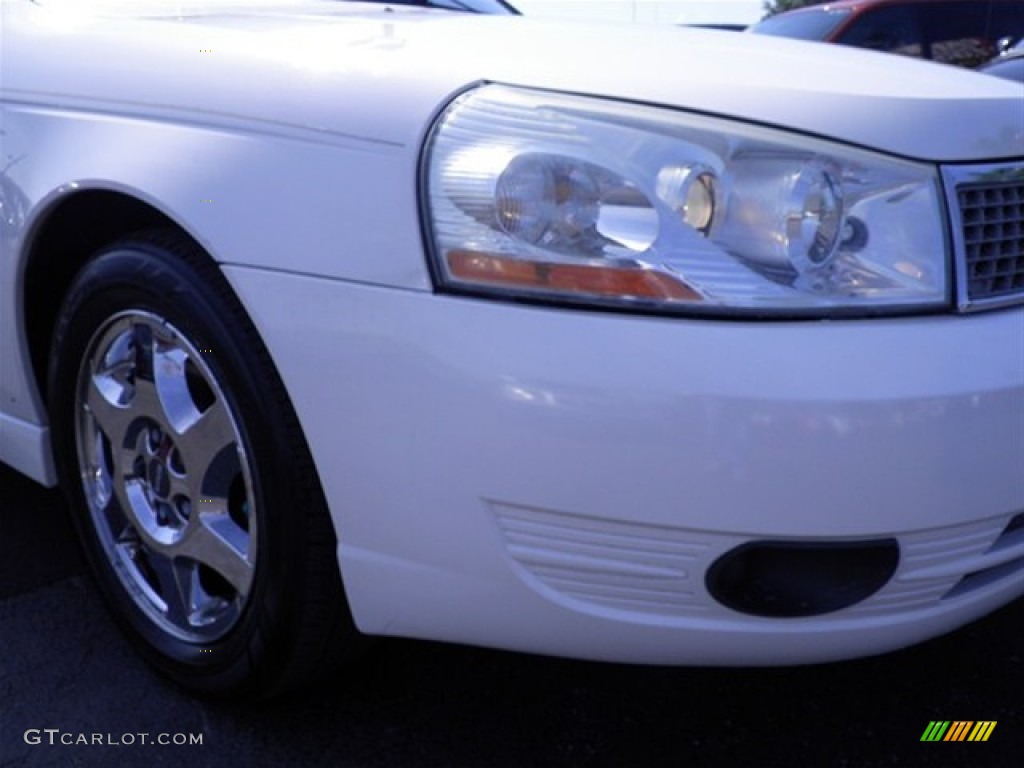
(166, 476)
(188, 478)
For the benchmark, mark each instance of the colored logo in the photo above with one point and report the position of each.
(958, 730)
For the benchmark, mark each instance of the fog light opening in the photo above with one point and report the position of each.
(778, 579)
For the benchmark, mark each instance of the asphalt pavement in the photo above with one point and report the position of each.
(66, 675)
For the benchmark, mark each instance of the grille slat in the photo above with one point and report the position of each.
(992, 221)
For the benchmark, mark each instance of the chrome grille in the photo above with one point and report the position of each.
(992, 220)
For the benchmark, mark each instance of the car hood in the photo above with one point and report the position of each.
(376, 73)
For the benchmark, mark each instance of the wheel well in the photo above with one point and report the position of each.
(72, 232)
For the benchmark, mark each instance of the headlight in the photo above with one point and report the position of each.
(577, 199)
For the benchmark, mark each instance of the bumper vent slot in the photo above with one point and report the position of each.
(1010, 541)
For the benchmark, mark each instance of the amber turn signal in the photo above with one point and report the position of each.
(617, 282)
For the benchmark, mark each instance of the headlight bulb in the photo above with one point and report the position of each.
(689, 190)
(571, 206)
(815, 217)
(524, 198)
(784, 212)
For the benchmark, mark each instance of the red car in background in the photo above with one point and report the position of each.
(961, 32)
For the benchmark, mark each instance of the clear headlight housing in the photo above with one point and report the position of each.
(550, 196)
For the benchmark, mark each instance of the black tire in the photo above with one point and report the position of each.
(188, 479)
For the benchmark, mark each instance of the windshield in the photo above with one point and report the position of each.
(813, 24)
(472, 6)
(500, 7)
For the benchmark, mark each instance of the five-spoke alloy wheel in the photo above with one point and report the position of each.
(167, 479)
(188, 478)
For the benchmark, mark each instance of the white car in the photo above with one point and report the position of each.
(655, 345)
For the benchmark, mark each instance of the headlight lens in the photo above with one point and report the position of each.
(572, 198)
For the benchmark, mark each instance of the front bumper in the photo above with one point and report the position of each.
(560, 481)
